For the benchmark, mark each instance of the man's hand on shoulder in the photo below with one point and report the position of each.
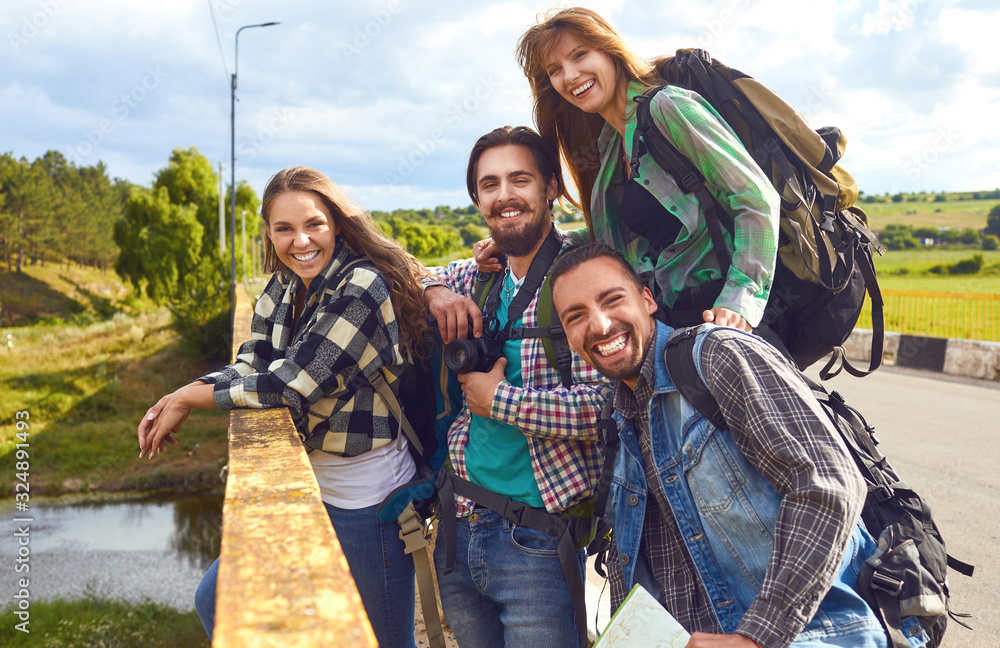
(479, 388)
(453, 313)
(706, 640)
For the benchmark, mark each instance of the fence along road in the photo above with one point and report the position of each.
(943, 435)
(968, 316)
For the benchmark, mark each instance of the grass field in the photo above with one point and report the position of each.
(85, 388)
(956, 214)
(908, 270)
(99, 623)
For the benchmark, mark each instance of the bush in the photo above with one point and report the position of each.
(201, 311)
(991, 242)
(993, 221)
(967, 266)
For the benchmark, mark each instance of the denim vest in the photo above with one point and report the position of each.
(726, 512)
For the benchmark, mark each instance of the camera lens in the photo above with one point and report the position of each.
(460, 356)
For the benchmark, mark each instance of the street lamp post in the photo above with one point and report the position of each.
(243, 241)
(232, 168)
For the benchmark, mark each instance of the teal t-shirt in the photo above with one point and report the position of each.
(497, 456)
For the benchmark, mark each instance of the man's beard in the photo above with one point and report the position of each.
(623, 368)
(521, 241)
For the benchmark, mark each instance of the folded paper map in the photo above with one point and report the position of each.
(641, 622)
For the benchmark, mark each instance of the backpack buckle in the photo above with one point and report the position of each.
(883, 493)
(887, 583)
(691, 182)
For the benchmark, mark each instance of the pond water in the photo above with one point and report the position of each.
(134, 549)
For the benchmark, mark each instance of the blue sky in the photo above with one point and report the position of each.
(388, 96)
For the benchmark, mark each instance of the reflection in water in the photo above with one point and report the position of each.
(197, 529)
(151, 549)
(188, 526)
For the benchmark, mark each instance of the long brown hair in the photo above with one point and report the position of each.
(573, 132)
(362, 236)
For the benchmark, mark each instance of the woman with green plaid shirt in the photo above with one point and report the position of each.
(584, 78)
(344, 304)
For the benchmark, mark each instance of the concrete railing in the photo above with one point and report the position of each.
(283, 579)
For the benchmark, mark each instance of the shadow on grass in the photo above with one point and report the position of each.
(25, 299)
(103, 306)
(89, 441)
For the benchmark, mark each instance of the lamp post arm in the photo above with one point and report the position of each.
(232, 165)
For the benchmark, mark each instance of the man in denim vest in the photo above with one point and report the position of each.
(749, 537)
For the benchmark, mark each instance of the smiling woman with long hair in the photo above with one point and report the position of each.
(584, 78)
(343, 307)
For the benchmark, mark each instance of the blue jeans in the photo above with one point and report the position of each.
(381, 569)
(508, 589)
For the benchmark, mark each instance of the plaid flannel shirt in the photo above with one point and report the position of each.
(784, 434)
(346, 333)
(560, 423)
(731, 175)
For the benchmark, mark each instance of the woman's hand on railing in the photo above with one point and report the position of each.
(164, 419)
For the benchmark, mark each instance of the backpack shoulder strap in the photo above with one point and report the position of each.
(649, 138)
(549, 330)
(484, 283)
(554, 340)
(378, 383)
(680, 361)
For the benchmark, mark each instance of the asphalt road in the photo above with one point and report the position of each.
(943, 435)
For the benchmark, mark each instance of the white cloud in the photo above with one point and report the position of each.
(975, 33)
(891, 16)
(394, 120)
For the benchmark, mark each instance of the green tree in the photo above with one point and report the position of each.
(991, 242)
(160, 243)
(969, 236)
(897, 237)
(993, 221)
(168, 238)
(926, 233)
(248, 208)
(26, 192)
(52, 210)
(189, 179)
(471, 233)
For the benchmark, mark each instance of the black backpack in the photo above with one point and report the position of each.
(907, 575)
(824, 248)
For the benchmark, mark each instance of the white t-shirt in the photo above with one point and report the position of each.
(365, 480)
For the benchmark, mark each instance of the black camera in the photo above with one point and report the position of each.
(472, 354)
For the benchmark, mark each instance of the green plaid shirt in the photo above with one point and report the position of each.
(731, 175)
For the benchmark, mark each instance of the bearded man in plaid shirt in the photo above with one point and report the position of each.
(525, 440)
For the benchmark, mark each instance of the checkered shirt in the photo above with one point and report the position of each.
(559, 422)
(346, 333)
